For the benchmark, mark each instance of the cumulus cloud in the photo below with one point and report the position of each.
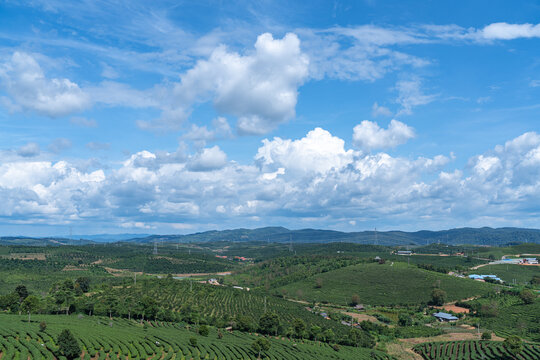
(260, 88)
(208, 159)
(28, 88)
(317, 152)
(369, 136)
(201, 134)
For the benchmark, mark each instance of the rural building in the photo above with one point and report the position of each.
(445, 317)
(359, 307)
(530, 261)
(404, 252)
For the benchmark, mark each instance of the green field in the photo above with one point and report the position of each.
(101, 338)
(470, 350)
(522, 274)
(382, 285)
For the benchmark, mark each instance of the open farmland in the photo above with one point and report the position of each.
(101, 338)
(388, 284)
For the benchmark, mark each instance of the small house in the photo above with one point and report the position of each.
(359, 307)
(445, 317)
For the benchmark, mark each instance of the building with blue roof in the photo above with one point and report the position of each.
(445, 316)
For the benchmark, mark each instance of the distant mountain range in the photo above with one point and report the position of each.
(477, 236)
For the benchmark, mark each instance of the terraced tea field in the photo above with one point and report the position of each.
(218, 302)
(388, 284)
(469, 350)
(100, 338)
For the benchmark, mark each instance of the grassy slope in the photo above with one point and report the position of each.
(99, 336)
(383, 285)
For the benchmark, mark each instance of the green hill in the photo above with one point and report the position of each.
(382, 285)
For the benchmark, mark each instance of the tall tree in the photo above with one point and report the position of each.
(30, 304)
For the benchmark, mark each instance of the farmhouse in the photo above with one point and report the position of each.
(445, 317)
(530, 261)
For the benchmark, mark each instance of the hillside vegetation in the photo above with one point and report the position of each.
(385, 284)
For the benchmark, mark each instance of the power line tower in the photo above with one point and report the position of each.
(376, 239)
(155, 248)
(290, 243)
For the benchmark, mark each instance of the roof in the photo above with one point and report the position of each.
(445, 316)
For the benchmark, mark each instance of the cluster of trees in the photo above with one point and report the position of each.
(62, 297)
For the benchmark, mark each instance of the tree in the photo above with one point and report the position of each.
(203, 330)
(84, 283)
(404, 320)
(535, 280)
(260, 345)
(328, 335)
(318, 283)
(355, 300)
(486, 335)
(438, 297)
(22, 292)
(269, 323)
(244, 323)
(299, 328)
(513, 344)
(527, 296)
(360, 338)
(193, 341)
(315, 332)
(68, 345)
(30, 305)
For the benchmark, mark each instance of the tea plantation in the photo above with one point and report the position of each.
(101, 338)
(387, 284)
(469, 350)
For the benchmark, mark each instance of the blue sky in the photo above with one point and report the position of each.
(176, 117)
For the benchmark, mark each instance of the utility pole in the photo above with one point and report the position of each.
(376, 240)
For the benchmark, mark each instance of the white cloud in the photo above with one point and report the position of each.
(505, 31)
(379, 110)
(318, 152)
(410, 95)
(28, 89)
(200, 134)
(29, 150)
(208, 159)
(260, 88)
(315, 177)
(369, 136)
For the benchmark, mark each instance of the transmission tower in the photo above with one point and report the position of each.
(155, 248)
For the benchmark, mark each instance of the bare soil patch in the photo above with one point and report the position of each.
(362, 317)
